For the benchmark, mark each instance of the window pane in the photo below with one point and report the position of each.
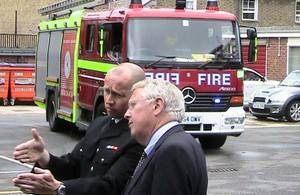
(180, 38)
(248, 16)
(249, 9)
(297, 12)
(245, 3)
(89, 43)
(41, 62)
(294, 59)
(252, 4)
(54, 53)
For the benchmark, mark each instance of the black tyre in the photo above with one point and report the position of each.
(292, 113)
(12, 102)
(260, 117)
(212, 141)
(55, 123)
(99, 110)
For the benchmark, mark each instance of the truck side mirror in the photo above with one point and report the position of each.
(252, 49)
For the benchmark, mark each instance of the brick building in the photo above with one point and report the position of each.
(18, 29)
(277, 22)
(278, 26)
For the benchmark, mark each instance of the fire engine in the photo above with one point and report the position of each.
(200, 51)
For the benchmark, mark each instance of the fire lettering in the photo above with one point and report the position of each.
(214, 79)
(171, 77)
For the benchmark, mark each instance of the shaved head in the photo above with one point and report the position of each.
(128, 73)
(117, 87)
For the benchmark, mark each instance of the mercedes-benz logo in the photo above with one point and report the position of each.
(189, 95)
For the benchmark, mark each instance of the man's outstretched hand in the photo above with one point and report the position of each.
(32, 150)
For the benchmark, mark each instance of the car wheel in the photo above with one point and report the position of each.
(293, 111)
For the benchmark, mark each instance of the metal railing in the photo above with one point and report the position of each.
(18, 41)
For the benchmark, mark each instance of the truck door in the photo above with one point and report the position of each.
(67, 72)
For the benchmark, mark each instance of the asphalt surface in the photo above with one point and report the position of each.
(265, 159)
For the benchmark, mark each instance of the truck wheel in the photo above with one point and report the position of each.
(293, 111)
(54, 121)
(5, 102)
(99, 110)
(12, 102)
(212, 141)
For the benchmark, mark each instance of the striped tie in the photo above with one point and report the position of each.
(141, 161)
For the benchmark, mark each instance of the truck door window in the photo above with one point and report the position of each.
(112, 39)
(90, 37)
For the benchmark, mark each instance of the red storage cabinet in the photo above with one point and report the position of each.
(4, 82)
(21, 82)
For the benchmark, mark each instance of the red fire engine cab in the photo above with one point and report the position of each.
(197, 50)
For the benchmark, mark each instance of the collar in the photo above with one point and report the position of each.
(116, 120)
(160, 132)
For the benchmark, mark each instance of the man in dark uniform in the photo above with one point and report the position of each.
(102, 162)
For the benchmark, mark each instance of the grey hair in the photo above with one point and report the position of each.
(172, 96)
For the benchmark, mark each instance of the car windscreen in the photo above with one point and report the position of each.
(186, 40)
(293, 79)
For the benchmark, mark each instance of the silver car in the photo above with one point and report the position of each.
(278, 102)
(254, 81)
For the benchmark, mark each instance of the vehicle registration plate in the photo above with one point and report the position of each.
(259, 105)
(191, 120)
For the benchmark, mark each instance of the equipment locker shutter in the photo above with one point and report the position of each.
(260, 64)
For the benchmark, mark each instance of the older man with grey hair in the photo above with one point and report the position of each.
(172, 162)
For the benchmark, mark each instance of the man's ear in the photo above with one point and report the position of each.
(158, 106)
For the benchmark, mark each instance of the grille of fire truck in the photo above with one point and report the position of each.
(205, 103)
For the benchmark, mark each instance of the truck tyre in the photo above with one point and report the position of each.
(5, 102)
(99, 110)
(293, 111)
(212, 141)
(12, 102)
(54, 121)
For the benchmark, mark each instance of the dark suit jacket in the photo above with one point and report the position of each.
(101, 163)
(175, 166)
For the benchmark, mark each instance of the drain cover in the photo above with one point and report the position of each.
(217, 170)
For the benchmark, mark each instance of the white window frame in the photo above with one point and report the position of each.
(246, 10)
(297, 12)
(191, 4)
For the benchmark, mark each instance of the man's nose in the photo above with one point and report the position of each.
(109, 99)
(127, 114)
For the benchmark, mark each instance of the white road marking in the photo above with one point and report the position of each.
(20, 110)
(16, 162)
(11, 192)
(12, 172)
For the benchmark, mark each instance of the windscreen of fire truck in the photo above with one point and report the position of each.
(184, 42)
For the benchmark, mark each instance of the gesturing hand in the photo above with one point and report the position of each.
(32, 150)
(40, 182)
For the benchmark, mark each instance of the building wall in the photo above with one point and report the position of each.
(276, 58)
(27, 15)
(271, 13)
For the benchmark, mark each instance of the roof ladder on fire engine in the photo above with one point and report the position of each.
(66, 6)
